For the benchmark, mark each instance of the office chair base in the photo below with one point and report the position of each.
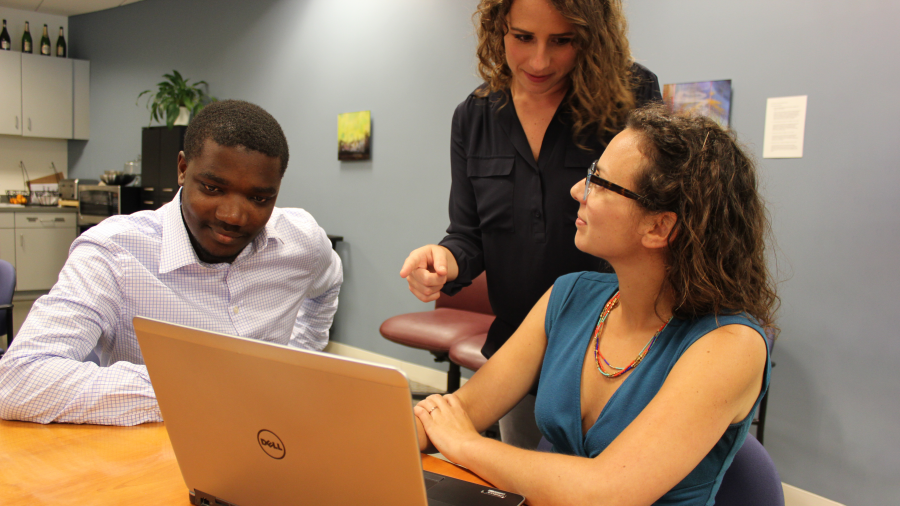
(454, 377)
(492, 432)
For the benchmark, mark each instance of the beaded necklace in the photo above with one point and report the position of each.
(599, 356)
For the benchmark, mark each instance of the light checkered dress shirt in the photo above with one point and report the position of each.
(76, 358)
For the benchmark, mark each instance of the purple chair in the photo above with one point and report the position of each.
(752, 479)
(7, 288)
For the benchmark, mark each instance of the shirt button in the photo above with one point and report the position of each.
(235, 310)
(537, 214)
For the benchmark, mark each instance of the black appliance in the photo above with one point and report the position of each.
(159, 164)
(98, 202)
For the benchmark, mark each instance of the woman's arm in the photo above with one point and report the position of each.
(463, 238)
(715, 383)
(460, 254)
(499, 384)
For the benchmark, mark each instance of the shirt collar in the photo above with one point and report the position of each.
(176, 250)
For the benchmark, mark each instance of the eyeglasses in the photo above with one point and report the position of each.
(599, 181)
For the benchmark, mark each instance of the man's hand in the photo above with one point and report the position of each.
(427, 269)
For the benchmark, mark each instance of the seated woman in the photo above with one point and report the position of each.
(649, 377)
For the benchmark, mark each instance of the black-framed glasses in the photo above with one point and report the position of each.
(599, 181)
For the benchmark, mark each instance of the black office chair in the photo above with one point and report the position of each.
(760, 420)
(7, 288)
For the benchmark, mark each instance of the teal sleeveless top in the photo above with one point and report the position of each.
(572, 312)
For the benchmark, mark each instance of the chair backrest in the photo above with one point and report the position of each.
(7, 289)
(770, 340)
(471, 298)
(7, 282)
(752, 478)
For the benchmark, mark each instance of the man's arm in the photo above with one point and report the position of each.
(44, 376)
(321, 300)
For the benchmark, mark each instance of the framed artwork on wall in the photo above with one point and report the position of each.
(709, 98)
(355, 135)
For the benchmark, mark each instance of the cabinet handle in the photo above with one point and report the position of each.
(22, 241)
(149, 189)
(31, 219)
(29, 124)
(17, 121)
(167, 190)
(148, 202)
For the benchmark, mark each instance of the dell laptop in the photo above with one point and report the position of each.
(255, 423)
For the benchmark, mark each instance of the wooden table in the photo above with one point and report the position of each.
(95, 464)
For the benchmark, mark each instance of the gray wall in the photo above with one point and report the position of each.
(835, 211)
(833, 413)
(409, 62)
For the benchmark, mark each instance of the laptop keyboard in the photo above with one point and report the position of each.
(431, 479)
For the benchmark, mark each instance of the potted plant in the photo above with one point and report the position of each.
(176, 99)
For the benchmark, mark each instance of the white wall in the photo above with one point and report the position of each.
(36, 153)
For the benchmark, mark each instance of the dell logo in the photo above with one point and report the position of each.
(271, 444)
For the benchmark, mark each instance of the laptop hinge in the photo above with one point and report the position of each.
(199, 498)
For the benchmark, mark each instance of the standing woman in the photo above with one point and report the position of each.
(559, 81)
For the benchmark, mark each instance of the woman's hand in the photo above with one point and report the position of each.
(447, 424)
(427, 269)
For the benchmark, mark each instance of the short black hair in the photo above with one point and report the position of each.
(233, 123)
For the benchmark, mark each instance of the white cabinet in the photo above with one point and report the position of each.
(8, 237)
(46, 96)
(11, 91)
(81, 96)
(41, 243)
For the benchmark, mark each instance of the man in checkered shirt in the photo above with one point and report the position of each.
(220, 257)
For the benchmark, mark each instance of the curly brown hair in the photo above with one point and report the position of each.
(716, 256)
(601, 80)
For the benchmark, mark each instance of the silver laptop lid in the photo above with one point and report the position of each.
(255, 423)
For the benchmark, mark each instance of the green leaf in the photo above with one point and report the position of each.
(174, 92)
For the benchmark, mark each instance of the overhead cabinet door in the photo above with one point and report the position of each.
(47, 96)
(81, 96)
(11, 91)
